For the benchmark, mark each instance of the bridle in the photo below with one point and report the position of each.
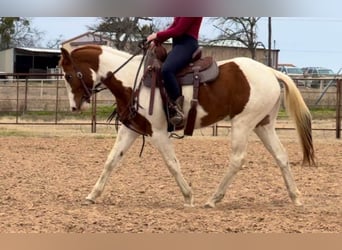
(88, 92)
(130, 111)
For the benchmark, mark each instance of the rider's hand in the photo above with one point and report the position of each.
(151, 39)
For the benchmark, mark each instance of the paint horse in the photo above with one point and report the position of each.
(245, 90)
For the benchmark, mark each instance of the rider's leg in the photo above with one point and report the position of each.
(178, 58)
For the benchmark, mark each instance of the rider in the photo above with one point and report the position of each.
(184, 33)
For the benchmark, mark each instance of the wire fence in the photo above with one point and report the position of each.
(41, 99)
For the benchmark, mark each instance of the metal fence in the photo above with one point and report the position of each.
(42, 99)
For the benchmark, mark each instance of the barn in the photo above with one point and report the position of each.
(28, 60)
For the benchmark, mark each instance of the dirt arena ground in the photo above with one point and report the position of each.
(45, 176)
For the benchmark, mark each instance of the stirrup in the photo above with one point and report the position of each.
(177, 118)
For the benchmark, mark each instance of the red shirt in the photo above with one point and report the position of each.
(181, 26)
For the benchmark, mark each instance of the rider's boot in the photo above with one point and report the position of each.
(177, 117)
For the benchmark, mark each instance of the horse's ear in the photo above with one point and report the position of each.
(65, 59)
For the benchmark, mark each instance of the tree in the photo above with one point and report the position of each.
(7, 29)
(126, 32)
(240, 29)
(161, 23)
(54, 43)
(16, 32)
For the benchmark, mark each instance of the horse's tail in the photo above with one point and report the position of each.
(298, 110)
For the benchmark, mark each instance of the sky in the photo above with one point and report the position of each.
(304, 42)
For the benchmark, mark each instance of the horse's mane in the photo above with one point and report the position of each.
(113, 57)
(95, 47)
(116, 52)
(103, 48)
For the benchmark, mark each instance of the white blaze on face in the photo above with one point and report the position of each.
(86, 105)
(70, 96)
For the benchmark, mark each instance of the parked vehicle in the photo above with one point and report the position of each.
(294, 72)
(318, 72)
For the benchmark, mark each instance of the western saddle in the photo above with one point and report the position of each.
(199, 70)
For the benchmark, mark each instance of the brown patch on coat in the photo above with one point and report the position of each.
(87, 55)
(226, 96)
(123, 95)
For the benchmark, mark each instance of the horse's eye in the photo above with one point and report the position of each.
(68, 77)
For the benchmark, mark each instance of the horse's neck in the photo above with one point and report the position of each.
(114, 59)
(121, 93)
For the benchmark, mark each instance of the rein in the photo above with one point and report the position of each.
(96, 88)
(130, 110)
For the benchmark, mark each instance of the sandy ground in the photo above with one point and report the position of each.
(46, 174)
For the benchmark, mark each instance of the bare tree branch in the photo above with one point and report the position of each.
(126, 32)
(16, 31)
(240, 29)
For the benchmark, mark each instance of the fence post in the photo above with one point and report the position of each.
(41, 89)
(338, 108)
(26, 92)
(17, 107)
(93, 113)
(57, 96)
(214, 129)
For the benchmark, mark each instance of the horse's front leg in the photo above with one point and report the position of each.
(123, 142)
(164, 145)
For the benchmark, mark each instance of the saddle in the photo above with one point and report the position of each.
(199, 70)
(206, 67)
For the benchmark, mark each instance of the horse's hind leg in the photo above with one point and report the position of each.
(164, 145)
(123, 142)
(271, 141)
(239, 143)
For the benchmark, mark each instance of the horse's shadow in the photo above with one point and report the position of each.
(244, 205)
(232, 205)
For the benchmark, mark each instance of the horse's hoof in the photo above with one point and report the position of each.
(189, 205)
(209, 205)
(189, 201)
(87, 202)
(298, 203)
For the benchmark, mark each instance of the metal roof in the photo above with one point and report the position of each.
(57, 51)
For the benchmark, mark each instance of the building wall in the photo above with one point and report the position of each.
(224, 53)
(7, 60)
(88, 38)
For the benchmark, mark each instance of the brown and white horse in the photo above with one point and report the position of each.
(246, 91)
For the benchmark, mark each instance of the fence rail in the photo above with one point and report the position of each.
(41, 99)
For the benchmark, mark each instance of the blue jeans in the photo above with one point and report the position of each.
(182, 49)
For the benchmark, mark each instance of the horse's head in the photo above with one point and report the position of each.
(79, 67)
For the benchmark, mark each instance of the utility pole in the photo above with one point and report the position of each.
(269, 41)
